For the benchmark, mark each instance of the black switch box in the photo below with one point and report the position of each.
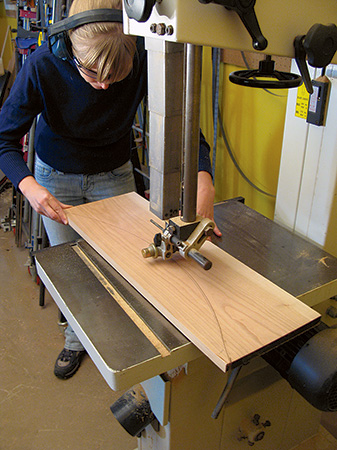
(318, 101)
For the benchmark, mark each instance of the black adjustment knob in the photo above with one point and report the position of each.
(139, 10)
(320, 44)
(300, 57)
(246, 12)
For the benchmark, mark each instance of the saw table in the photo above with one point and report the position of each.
(125, 355)
(291, 262)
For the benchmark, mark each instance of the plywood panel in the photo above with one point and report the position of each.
(228, 312)
(236, 58)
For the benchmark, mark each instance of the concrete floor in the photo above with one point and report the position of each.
(38, 411)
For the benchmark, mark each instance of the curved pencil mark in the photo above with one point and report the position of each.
(188, 274)
(212, 309)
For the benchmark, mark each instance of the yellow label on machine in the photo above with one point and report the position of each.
(302, 102)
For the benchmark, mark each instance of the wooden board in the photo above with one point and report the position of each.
(228, 312)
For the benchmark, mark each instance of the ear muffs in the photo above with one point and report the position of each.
(58, 39)
(60, 45)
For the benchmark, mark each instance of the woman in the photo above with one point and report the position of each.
(86, 105)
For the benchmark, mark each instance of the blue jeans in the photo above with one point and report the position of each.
(76, 189)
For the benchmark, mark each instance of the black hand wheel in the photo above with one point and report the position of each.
(252, 78)
(139, 10)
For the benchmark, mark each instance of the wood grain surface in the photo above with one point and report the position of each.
(228, 312)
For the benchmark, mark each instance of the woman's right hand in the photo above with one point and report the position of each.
(42, 201)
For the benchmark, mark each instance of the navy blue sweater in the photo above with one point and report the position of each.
(80, 129)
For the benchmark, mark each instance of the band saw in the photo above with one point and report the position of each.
(183, 386)
(270, 398)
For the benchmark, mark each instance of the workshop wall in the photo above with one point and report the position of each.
(4, 22)
(331, 235)
(254, 123)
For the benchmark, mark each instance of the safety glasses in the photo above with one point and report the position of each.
(87, 72)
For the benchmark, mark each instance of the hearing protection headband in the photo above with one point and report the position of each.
(58, 39)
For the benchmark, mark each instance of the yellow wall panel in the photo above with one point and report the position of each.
(254, 122)
(4, 22)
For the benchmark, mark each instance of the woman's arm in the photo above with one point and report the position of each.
(205, 197)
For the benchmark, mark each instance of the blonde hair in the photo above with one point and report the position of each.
(102, 44)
